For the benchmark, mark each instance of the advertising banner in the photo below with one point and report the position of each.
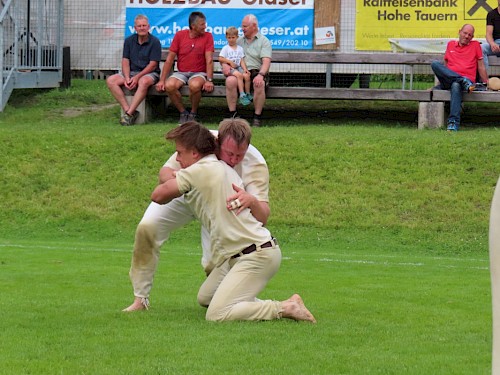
(377, 21)
(289, 24)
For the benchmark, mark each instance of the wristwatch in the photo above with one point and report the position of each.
(209, 79)
(262, 74)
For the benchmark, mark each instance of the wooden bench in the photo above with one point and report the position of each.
(431, 103)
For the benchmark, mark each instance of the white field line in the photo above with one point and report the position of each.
(403, 264)
(52, 247)
(368, 259)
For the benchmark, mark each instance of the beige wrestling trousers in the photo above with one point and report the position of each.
(231, 290)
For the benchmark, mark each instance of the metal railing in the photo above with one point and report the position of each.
(31, 38)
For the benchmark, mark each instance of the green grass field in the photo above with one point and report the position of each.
(383, 228)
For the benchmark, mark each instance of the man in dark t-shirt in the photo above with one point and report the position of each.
(492, 45)
(140, 69)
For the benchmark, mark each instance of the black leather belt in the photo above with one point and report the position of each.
(250, 249)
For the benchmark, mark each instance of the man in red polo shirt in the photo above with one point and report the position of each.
(463, 60)
(193, 48)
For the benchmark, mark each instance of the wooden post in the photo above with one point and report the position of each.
(327, 13)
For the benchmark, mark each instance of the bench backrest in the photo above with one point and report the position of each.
(329, 57)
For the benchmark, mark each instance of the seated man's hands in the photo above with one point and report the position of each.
(160, 86)
(128, 83)
(208, 86)
(133, 83)
(258, 81)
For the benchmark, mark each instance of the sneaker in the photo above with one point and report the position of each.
(192, 117)
(467, 85)
(250, 97)
(128, 120)
(244, 99)
(481, 86)
(452, 127)
(232, 114)
(183, 118)
(123, 120)
(257, 122)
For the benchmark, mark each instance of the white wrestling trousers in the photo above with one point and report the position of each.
(153, 230)
(494, 244)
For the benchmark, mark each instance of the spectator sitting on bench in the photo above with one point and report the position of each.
(492, 45)
(463, 61)
(233, 55)
(258, 53)
(137, 73)
(194, 49)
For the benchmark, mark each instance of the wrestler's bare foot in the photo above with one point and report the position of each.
(139, 304)
(294, 308)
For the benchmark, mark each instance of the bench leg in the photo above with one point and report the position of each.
(431, 115)
(145, 110)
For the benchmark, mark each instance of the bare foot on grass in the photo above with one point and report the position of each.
(294, 308)
(139, 304)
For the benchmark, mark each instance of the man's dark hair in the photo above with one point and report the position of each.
(193, 17)
(194, 136)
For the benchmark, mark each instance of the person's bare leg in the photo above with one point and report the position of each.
(172, 88)
(246, 78)
(231, 92)
(115, 83)
(138, 304)
(259, 98)
(140, 93)
(239, 77)
(294, 308)
(195, 87)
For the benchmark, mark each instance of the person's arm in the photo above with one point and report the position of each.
(169, 169)
(445, 61)
(489, 35)
(165, 192)
(259, 209)
(165, 71)
(224, 60)
(126, 72)
(266, 65)
(495, 48)
(166, 173)
(264, 69)
(255, 194)
(483, 74)
(226, 69)
(208, 86)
